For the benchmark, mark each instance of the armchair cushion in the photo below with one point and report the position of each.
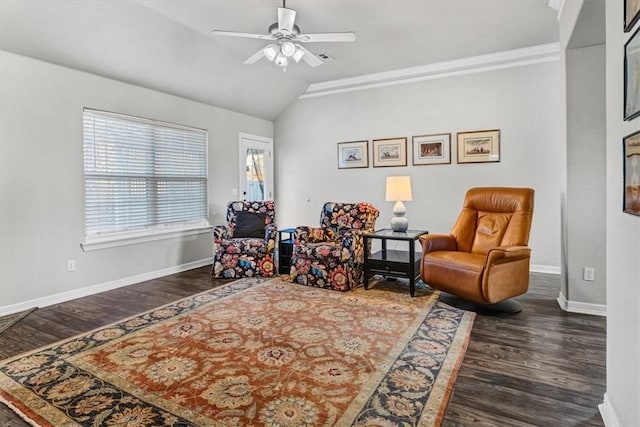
(245, 245)
(249, 224)
(323, 251)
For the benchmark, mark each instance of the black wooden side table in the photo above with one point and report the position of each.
(393, 263)
(285, 249)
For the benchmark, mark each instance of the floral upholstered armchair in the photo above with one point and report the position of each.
(332, 256)
(245, 246)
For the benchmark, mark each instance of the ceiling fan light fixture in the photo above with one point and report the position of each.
(281, 60)
(270, 52)
(287, 42)
(297, 56)
(288, 49)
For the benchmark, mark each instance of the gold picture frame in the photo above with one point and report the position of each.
(480, 146)
(632, 77)
(631, 14)
(389, 152)
(631, 166)
(432, 149)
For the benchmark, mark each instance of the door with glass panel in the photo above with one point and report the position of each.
(256, 168)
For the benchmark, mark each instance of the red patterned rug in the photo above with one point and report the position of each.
(253, 352)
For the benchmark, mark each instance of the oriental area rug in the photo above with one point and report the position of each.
(8, 321)
(252, 352)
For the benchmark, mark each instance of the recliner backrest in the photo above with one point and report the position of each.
(494, 216)
(343, 216)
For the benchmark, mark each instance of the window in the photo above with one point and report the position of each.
(142, 177)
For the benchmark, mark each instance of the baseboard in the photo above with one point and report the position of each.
(608, 414)
(547, 269)
(581, 307)
(94, 289)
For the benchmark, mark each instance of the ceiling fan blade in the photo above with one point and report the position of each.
(309, 57)
(286, 19)
(255, 57)
(248, 35)
(326, 37)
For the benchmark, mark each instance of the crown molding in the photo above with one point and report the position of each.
(558, 6)
(475, 64)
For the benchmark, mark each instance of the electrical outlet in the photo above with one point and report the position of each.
(71, 265)
(589, 274)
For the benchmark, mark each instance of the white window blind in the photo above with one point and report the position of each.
(141, 175)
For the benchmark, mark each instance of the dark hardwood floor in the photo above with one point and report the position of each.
(541, 367)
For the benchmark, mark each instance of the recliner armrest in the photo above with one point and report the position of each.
(516, 279)
(437, 242)
(507, 253)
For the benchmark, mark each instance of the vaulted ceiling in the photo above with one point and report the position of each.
(167, 45)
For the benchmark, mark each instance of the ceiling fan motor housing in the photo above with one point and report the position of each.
(277, 32)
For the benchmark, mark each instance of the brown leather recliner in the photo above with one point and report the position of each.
(485, 259)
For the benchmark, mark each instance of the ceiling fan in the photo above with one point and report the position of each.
(288, 41)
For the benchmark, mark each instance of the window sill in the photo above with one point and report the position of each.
(123, 239)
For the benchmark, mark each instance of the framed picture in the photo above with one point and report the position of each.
(479, 146)
(632, 77)
(353, 154)
(432, 149)
(631, 155)
(631, 14)
(389, 152)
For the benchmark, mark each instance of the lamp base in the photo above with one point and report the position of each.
(399, 222)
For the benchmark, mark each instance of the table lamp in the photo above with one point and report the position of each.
(399, 190)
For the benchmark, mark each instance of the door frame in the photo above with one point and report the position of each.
(261, 142)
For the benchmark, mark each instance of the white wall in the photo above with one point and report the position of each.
(622, 400)
(522, 102)
(41, 172)
(586, 183)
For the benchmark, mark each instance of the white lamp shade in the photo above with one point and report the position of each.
(398, 189)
